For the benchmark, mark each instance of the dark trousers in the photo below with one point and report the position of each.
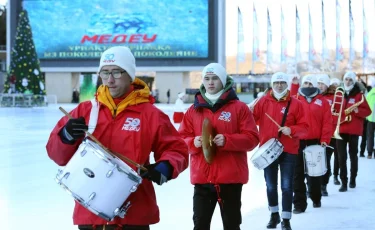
(329, 151)
(114, 227)
(370, 137)
(364, 137)
(286, 161)
(336, 165)
(314, 183)
(352, 140)
(205, 200)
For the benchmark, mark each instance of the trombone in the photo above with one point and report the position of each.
(339, 93)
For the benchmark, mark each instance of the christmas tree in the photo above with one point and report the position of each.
(24, 75)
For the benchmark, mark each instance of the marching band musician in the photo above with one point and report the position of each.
(130, 125)
(279, 104)
(355, 110)
(370, 98)
(327, 90)
(220, 181)
(318, 114)
(334, 83)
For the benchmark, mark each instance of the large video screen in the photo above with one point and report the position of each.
(81, 29)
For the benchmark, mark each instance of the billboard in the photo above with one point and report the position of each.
(163, 32)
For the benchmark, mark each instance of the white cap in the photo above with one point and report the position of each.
(120, 56)
(280, 76)
(350, 75)
(310, 78)
(335, 81)
(324, 78)
(216, 69)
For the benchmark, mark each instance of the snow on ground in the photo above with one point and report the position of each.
(31, 199)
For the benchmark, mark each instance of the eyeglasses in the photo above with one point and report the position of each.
(282, 83)
(115, 74)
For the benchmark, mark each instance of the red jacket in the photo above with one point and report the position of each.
(329, 97)
(233, 119)
(295, 120)
(355, 126)
(319, 116)
(156, 134)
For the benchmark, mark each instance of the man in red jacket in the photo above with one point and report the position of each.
(318, 114)
(355, 110)
(127, 123)
(278, 103)
(220, 181)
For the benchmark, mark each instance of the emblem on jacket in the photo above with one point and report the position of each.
(351, 101)
(283, 110)
(318, 102)
(225, 116)
(330, 101)
(132, 124)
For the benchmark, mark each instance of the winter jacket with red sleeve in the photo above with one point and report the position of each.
(234, 120)
(295, 120)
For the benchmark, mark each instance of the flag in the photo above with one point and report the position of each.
(240, 40)
(339, 50)
(324, 42)
(298, 38)
(351, 36)
(312, 51)
(284, 40)
(256, 52)
(365, 34)
(269, 39)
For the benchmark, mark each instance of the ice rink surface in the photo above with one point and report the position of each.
(31, 199)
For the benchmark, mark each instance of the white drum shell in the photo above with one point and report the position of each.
(267, 153)
(315, 160)
(111, 185)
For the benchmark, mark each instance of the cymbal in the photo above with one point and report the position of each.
(208, 146)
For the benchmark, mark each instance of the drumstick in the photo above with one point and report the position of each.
(275, 123)
(124, 158)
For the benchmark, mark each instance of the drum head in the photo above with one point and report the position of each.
(208, 146)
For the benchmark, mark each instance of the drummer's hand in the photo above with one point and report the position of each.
(198, 141)
(295, 80)
(74, 129)
(219, 140)
(285, 130)
(323, 144)
(159, 172)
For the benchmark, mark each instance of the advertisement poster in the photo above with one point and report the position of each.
(83, 29)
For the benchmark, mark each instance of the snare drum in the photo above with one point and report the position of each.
(99, 181)
(267, 153)
(314, 157)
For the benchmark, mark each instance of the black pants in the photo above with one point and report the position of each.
(329, 151)
(204, 203)
(336, 165)
(114, 227)
(370, 137)
(364, 137)
(314, 183)
(352, 140)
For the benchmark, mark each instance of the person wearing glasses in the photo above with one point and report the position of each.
(127, 123)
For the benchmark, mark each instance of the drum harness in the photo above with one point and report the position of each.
(284, 116)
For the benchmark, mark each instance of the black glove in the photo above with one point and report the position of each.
(74, 130)
(159, 172)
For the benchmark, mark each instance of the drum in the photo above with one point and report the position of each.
(99, 181)
(267, 153)
(314, 157)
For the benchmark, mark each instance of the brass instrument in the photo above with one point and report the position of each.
(339, 93)
(352, 108)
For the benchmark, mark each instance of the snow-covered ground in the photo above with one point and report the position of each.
(31, 199)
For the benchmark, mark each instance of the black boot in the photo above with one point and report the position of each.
(324, 190)
(343, 188)
(336, 180)
(352, 183)
(285, 225)
(274, 221)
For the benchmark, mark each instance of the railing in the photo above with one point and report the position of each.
(22, 100)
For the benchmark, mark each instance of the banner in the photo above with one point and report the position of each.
(324, 42)
(269, 39)
(256, 52)
(298, 38)
(365, 34)
(284, 41)
(312, 52)
(339, 49)
(240, 39)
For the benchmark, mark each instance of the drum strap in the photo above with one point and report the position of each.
(94, 114)
(284, 117)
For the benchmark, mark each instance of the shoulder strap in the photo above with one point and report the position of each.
(94, 114)
(285, 113)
